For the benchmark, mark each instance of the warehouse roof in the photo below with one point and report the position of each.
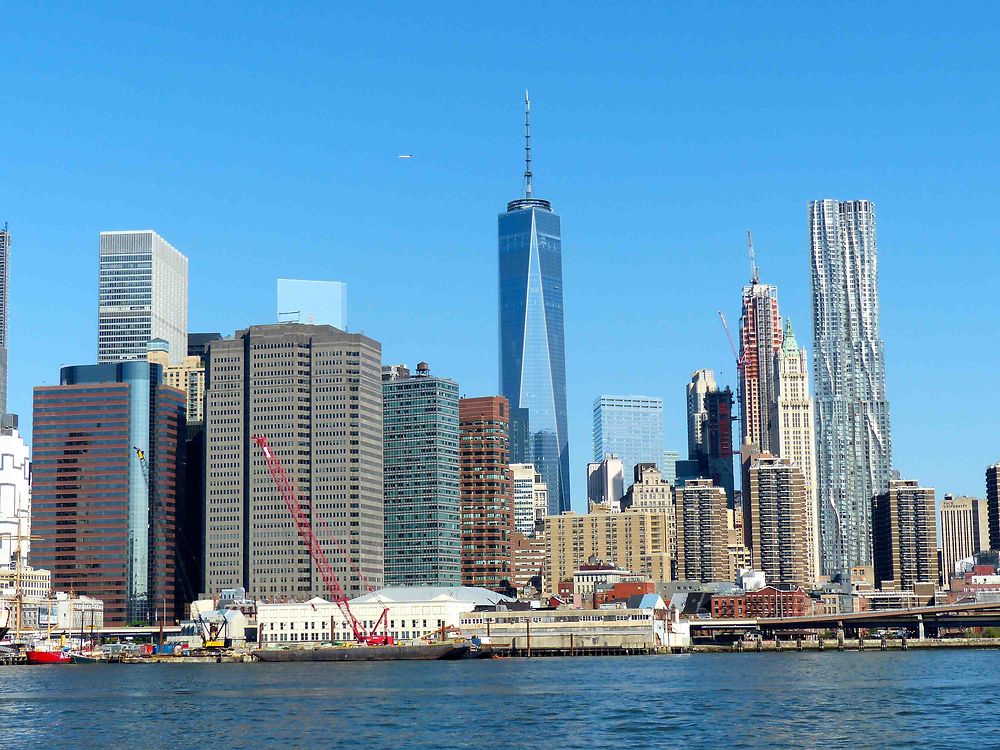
(468, 594)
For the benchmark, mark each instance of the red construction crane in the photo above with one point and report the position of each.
(291, 498)
(740, 358)
(732, 344)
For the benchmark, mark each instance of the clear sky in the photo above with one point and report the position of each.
(263, 143)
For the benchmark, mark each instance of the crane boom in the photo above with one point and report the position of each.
(732, 344)
(305, 530)
(739, 360)
(160, 517)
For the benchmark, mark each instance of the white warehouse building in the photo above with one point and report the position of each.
(413, 612)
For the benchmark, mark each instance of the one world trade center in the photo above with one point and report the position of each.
(532, 347)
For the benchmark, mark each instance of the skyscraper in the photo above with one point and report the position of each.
(315, 393)
(710, 433)
(15, 495)
(702, 382)
(313, 302)
(523, 480)
(630, 427)
(423, 532)
(774, 502)
(487, 491)
(702, 532)
(188, 377)
(760, 338)
(717, 461)
(649, 490)
(532, 346)
(853, 441)
(792, 429)
(605, 483)
(993, 504)
(143, 295)
(4, 299)
(904, 536)
(668, 466)
(107, 532)
(198, 343)
(964, 531)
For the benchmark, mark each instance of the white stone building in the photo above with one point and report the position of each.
(531, 498)
(650, 624)
(414, 612)
(36, 590)
(586, 581)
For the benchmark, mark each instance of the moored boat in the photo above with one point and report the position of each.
(86, 658)
(429, 652)
(36, 656)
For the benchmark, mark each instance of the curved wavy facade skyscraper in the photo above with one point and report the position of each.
(532, 346)
(853, 441)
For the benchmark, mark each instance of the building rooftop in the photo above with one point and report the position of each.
(399, 594)
(645, 601)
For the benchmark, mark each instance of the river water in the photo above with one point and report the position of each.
(915, 699)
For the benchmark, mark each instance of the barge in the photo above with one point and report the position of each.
(429, 652)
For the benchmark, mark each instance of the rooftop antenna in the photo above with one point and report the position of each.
(527, 145)
(753, 261)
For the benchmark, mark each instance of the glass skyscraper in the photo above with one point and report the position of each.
(4, 280)
(90, 496)
(423, 533)
(853, 442)
(630, 427)
(532, 348)
(313, 302)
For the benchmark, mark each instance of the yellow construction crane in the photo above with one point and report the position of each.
(161, 519)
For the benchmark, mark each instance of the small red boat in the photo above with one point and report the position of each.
(48, 657)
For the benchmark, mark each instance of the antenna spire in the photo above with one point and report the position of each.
(527, 145)
(753, 260)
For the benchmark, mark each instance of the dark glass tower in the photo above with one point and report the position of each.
(4, 279)
(532, 349)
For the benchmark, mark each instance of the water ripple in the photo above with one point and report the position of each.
(913, 699)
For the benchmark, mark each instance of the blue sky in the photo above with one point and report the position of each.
(262, 143)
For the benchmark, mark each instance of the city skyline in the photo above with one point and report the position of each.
(245, 479)
(55, 239)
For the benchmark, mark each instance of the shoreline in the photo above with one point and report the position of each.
(738, 647)
(847, 644)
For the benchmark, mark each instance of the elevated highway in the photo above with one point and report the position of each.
(920, 621)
